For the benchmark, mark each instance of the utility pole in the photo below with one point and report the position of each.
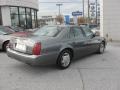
(59, 5)
(83, 8)
(96, 11)
(88, 11)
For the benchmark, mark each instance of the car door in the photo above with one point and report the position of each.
(78, 41)
(92, 43)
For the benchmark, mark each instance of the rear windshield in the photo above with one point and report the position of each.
(50, 31)
(5, 30)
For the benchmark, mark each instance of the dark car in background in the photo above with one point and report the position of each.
(56, 44)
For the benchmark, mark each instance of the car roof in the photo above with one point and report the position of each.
(66, 26)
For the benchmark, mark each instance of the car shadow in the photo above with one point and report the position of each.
(35, 70)
(45, 69)
(88, 56)
(2, 51)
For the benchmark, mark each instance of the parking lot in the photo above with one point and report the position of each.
(95, 72)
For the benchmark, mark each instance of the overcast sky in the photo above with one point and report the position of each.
(66, 9)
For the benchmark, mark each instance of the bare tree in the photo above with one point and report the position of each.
(81, 20)
(60, 19)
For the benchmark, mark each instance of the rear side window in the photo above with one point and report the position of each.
(50, 31)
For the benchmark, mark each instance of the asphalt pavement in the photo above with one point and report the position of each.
(94, 72)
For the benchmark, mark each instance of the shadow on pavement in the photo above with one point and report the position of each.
(94, 55)
(35, 70)
(45, 69)
(2, 51)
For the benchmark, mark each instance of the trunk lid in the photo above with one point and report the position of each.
(26, 44)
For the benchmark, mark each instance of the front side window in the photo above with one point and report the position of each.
(87, 32)
(77, 32)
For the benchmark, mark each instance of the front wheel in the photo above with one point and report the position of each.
(64, 59)
(101, 48)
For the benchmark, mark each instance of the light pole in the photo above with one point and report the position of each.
(88, 11)
(96, 11)
(59, 5)
(83, 8)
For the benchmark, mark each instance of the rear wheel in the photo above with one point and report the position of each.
(64, 59)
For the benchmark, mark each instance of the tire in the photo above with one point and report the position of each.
(101, 48)
(5, 46)
(64, 59)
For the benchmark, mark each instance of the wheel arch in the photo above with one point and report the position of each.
(104, 43)
(68, 48)
(7, 41)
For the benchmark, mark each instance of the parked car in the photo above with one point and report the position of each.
(56, 44)
(5, 36)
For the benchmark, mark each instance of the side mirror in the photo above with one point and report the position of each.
(97, 33)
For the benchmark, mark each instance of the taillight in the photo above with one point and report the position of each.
(37, 49)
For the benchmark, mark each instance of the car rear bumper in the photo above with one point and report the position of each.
(30, 59)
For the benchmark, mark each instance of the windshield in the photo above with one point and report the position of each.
(50, 31)
(5, 30)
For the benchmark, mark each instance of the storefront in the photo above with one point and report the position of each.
(22, 13)
(23, 17)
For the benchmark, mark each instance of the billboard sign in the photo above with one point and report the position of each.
(77, 13)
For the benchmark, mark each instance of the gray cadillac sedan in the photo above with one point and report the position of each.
(56, 44)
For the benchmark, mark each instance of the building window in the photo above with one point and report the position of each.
(29, 19)
(0, 17)
(14, 16)
(24, 17)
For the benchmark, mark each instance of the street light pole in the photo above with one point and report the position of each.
(96, 11)
(83, 8)
(88, 11)
(59, 5)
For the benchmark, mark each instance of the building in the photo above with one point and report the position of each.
(110, 19)
(47, 20)
(22, 13)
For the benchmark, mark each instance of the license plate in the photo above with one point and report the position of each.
(20, 46)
